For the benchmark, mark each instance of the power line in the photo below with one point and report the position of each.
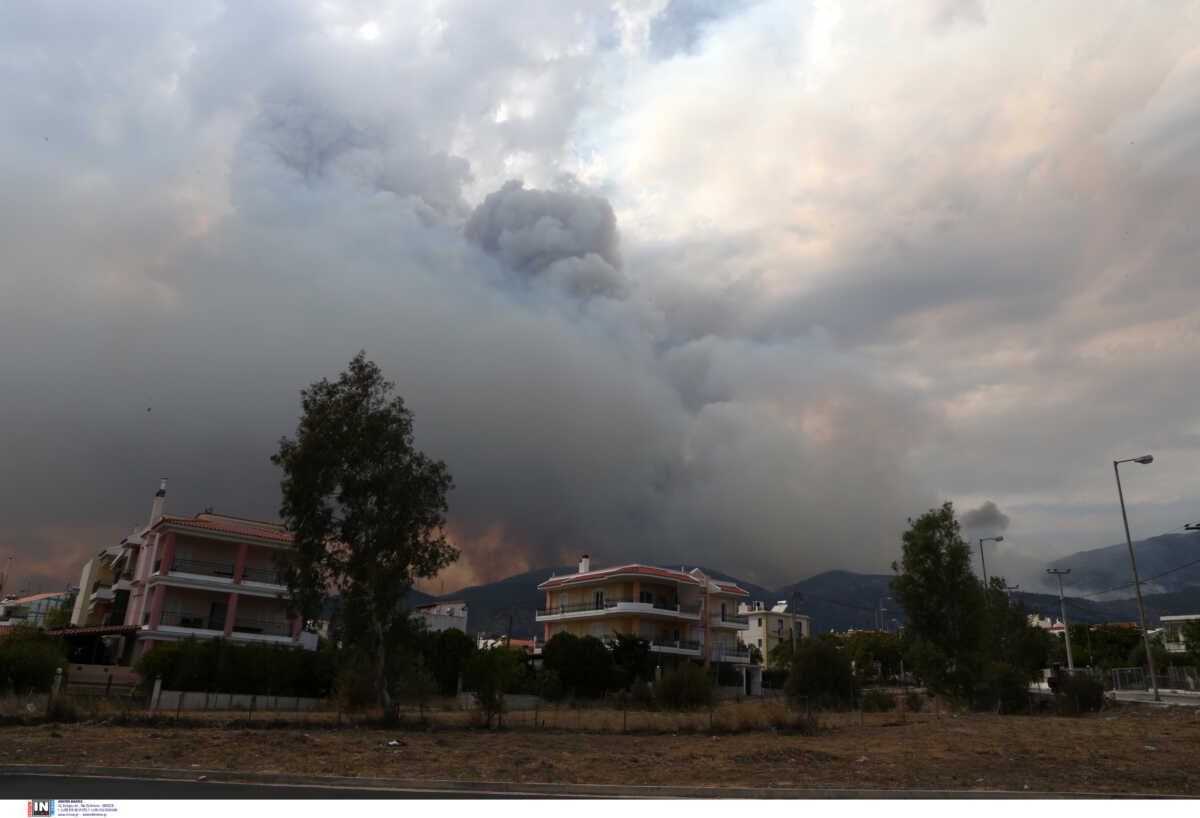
(1144, 581)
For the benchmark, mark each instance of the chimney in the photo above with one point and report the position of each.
(156, 510)
(585, 564)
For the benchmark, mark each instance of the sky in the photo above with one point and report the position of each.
(699, 282)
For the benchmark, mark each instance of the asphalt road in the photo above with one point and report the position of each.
(87, 788)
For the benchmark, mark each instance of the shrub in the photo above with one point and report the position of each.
(642, 694)
(821, 674)
(354, 688)
(550, 687)
(491, 674)
(876, 701)
(774, 678)
(1079, 694)
(28, 659)
(685, 688)
(583, 663)
(216, 665)
(914, 702)
(727, 676)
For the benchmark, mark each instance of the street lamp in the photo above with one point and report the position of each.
(982, 561)
(1144, 460)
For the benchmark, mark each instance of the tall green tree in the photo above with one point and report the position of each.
(943, 600)
(367, 511)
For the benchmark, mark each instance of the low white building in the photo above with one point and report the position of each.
(1173, 631)
(442, 616)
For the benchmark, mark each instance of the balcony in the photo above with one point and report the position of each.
(737, 655)
(619, 605)
(681, 647)
(730, 620)
(241, 625)
(101, 592)
(267, 576)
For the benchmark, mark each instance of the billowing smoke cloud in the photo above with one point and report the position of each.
(988, 519)
(567, 239)
(678, 338)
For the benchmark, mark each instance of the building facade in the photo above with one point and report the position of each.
(768, 627)
(206, 576)
(1172, 626)
(31, 610)
(442, 616)
(683, 615)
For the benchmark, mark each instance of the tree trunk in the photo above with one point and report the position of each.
(381, 690)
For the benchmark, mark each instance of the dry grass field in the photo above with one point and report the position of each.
(1130, 749)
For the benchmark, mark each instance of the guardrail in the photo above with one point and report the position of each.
(608, 603)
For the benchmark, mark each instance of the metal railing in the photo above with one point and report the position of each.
(268, 576)
(609, 603)
(721, 653)
(266, 627)
(730, 618)
(203, 567)
(183, 620)
(679, 644)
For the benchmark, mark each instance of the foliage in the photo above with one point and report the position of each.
(966, 641)
(416, 683)
(446, 654)
(1102, 646)
(756, 655)
(943, 601)
(583, 664)
(820, 674)
(780, 656)
(60, 615)
(1190, 631)
(632, 659)
(28, 659)
(774, 678)
(492, 673)
(1078, 694)
(219, 666)
(366, 509)
(727, 676)
(686, 687)
(550, 686)
(354, 687)
(865, 648)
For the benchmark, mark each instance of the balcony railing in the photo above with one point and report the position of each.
(678, 644)
(608, 603)
(266, 627)
(730, 619)
(202, 567)
(269, 576)
(186, 620)
(720, 653)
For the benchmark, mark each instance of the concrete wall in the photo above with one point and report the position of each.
(193, 700)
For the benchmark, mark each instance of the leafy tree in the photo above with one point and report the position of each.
(821, 673)
(492, 673)
(366, 509)
(865, 648)
(633, 660)
(417, 682)
(447, 653)
(583, 664)
(1191, 637)
(60, 615)
(684, 688)
(944, 602)
(756, 657)
(28, 659)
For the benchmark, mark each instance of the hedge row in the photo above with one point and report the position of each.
(217, 666)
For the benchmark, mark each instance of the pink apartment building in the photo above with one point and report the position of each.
(211, 575)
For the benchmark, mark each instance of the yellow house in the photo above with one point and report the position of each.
(770, 626)
(681, 614)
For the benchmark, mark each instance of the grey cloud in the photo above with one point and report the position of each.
(988, 518)
(568, 238)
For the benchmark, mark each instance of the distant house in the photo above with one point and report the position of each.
(768, 627)
(442, 616)
(1173, 631)
(211, 575)
(530, 646)
(31, 610)
(684, 615)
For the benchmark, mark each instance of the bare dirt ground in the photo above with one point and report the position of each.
(1129, 750)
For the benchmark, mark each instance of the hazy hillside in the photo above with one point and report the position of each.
(1106, 568)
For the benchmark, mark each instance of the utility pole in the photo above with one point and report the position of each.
(1062, 606)
(982, 561)
(1137, 584)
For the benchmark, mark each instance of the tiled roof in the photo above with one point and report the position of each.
(731, 588)
(33, 598)
(95, 629)
(645, 570)
(276, 534)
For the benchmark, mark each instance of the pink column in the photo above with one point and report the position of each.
(156, 606)
(296, 623)
(231, 613)
(168, 554)
(240, 566)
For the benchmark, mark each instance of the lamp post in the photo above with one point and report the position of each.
(1144, 460)
(1062, 607)
(982, 561)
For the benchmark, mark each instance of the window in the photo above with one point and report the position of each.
(598, 599)
(760, 621)
(760, 643)
(647, 597)
(562, 602)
